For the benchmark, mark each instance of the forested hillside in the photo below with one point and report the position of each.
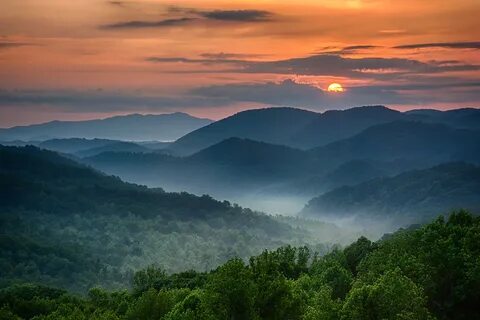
(414, 196)
(430, 272)
(67, 225)
(259, 174)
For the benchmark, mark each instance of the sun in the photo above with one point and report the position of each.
(335, 87)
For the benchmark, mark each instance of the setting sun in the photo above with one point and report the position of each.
(335, 87)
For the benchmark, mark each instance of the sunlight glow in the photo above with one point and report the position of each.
(335, 87)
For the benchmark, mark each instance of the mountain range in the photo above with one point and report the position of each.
(276, 159)
(239, 169)
(414, 196)
(134, 127)
(305, 130)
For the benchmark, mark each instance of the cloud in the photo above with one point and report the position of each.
(286, 93)
(421, 92)
(238, 15)
(392, 31)
(101, 101)
(230, 56)
(137, 24)
(117, 3)
(346, 50)
(12, 44)
(360, 47)
(448, 45)
(290, 93)
(188, 15)
(331, 65)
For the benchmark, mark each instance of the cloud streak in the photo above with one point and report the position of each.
(290, 93)
(448, 45)
(137, 24)
(101, 101)
(348, 49)
(192, 15)
(238, 15)
(284, 93)
(331, 65)
(11, 44)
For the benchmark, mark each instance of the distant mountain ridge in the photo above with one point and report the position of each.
(302, 129)
(335, 125)
(236, 168)
(134, 127)
(417, 194)
(426, 143)
(80, 147)
(270, 125)
(234, 164)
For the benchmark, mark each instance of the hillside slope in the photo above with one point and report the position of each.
(271, 125)
(425, 143)
(414, 195)
(79, 228)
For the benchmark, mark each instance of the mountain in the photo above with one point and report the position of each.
(32, 173)
(263, 175)
(414, 195)
(467, 118)
(246, 152)
(77, 228)
(118, 146)
(335, 125)
(348, 173)
(271, 125)
(73, 145)
(302, 129)
(80, 147)
(154, 145)
(134, 127)
(232, 166)
(418, 142)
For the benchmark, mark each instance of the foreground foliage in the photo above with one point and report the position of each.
(432, 272)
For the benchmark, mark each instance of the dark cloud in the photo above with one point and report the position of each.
(101, 101)
(286, 93)
(332, 65)
(238, 15)
(137, 24)
(449, 45)
(360, 47)
(346, 50)
(290, 93)
(230, 56)
(217, 60)
(117, 3)
(188, 15)
(11, 44)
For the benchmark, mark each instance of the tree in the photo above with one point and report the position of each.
(392, 296)
(151, 277)
(355, 252)
(230, 291)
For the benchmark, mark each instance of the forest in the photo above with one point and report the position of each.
(428, 272)
(82, 228)
(78, 243)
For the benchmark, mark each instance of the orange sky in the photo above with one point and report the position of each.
(88, 58)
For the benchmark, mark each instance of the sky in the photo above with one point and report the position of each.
(85, 59)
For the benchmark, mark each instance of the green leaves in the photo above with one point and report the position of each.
(392, 296)
(427, 273)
